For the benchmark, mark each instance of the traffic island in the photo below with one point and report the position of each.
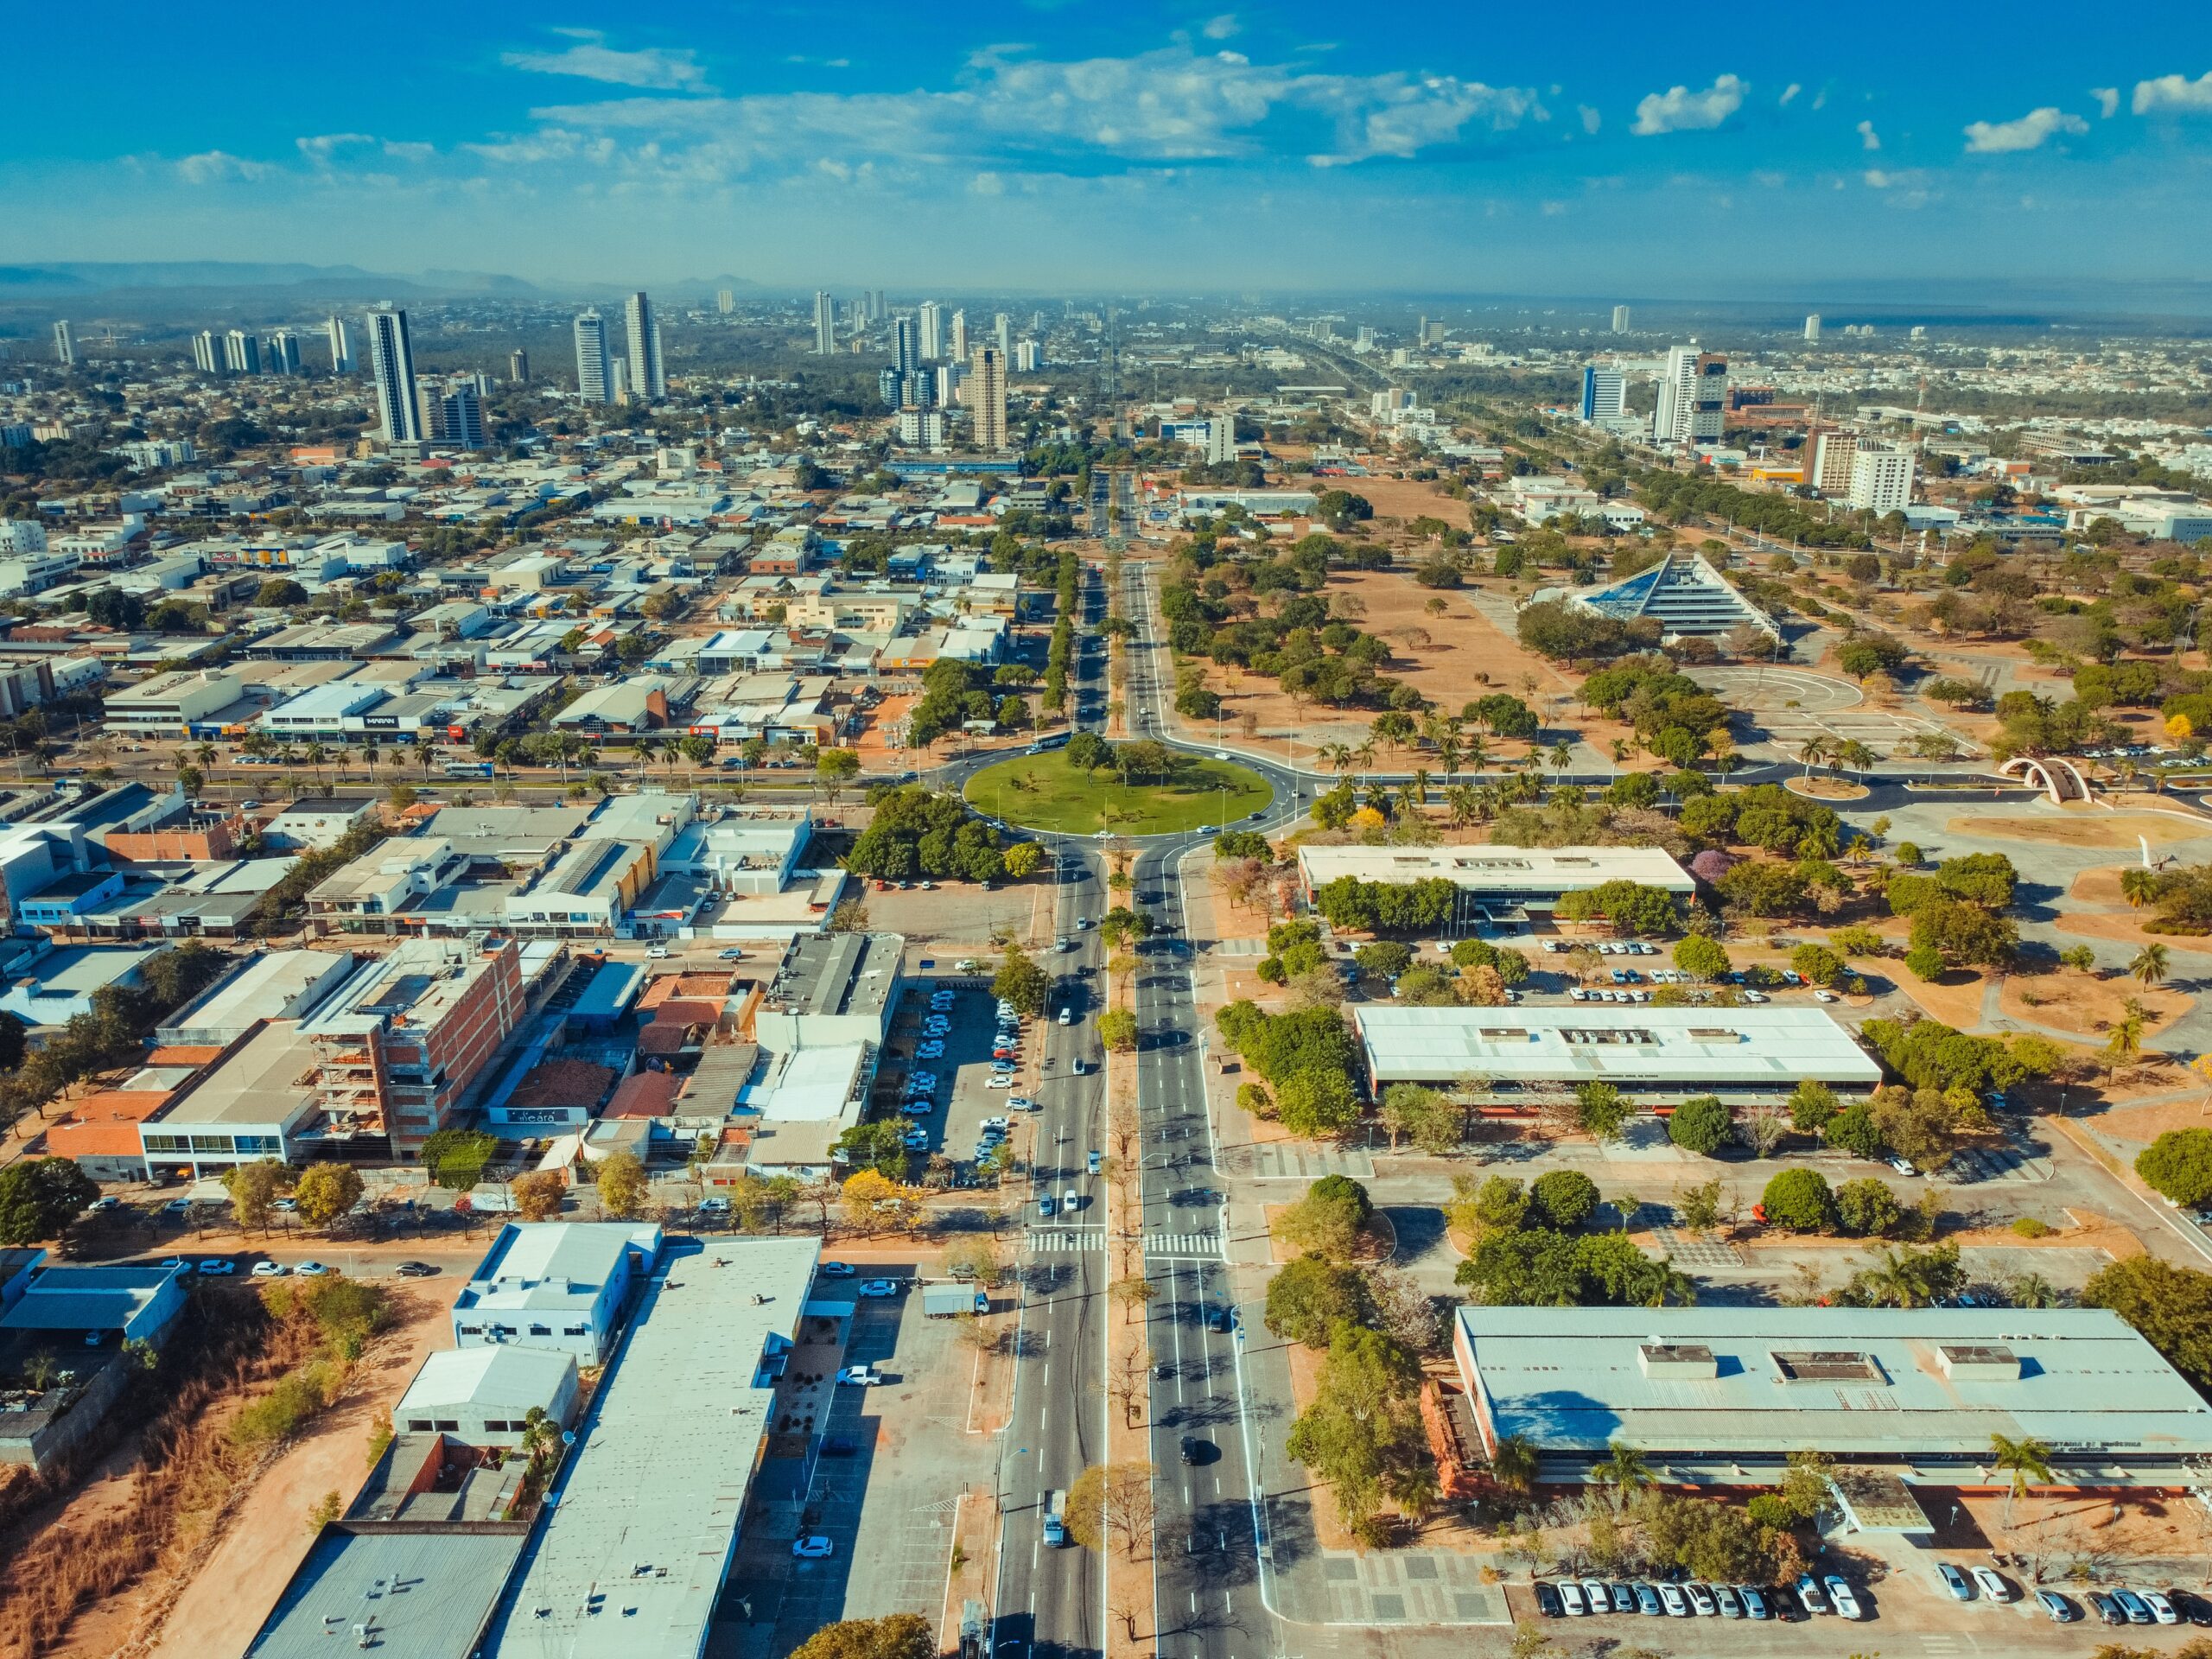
(1048, 792)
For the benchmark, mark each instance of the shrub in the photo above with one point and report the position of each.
(1800, 1200)
(2178, 1166)
(1853, 1129)
(2029, 1227)
(1868, 1208)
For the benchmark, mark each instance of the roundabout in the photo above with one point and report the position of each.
(1045, 793)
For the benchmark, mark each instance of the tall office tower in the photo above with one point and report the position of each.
(825, 323)
(1881, 478)
(725, 300)
(1605, 393)
(958, 354)
(391, 373)
(595, 383)
(1620, 319)
(1432, 333)
(949, 376)
(905, 346)
(1693, 389)
(647, 378)
(482, 382)
(932, 322)
(283, 353)
(987, 397)
(1828, 456)
(241, 352)
(875, 305)
(1002, 333)
(341, 346)
(65, 345)
(1028, 356)
(1221, 439)
(1813, 330)
(207, 353)
(518, 368)
(457, 417)
(618, 386)
(1420, 334)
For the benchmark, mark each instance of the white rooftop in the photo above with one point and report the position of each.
(1497, 868)
(495, 1374)
(1680, 1049)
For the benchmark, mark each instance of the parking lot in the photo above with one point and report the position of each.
(885, 1494)
(961, 1097)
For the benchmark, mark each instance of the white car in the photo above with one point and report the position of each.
(216, 1265)
(311, 1270)
(1000, 1124)
(813, 1548)
(999, 1080)
(1021, 1103)
(269, 1269)
(1839, 1598)
(859, 1376)
(2161, 1609)
(1824, 996)
(836, 1269)
(1993, 1586)
(1903, 1166)
(916, 1140)
(880, 1287)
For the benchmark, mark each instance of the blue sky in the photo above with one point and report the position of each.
(1596, 149)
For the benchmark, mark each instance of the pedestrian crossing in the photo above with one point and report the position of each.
(1065, 1241)
(1203, 1246)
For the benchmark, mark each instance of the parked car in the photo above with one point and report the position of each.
(2161, 1609)
(2107, 1609)
(1954, 1581)
(1754, 1601)
(415, 1271)
(1570, 1596)
(1647, 1600)
(1725, 1598)
(1701, 1602)
(311, 1270)
(813, 1547)
(1809, 1592)
(860, 1377)
(880, 1287)
(1676, 1604)
(840, 1445)
(1839, 1597)
(1995, 1588)
(217, 1266)
(1548, 1602)
(269, 1269)
(2138, 1610)
(1595, 1596)
(836, 1269)
(2062, 1612)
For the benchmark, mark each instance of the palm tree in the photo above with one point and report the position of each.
(2124, 1044)
(1477, 752)
(2026, 1461)
(2139, 886)
(1335, 756)
(1562, 755)
(644, 747)
(2151, 965)
(1464, 802)
(1623, 1467)
(1812, 752)
(1854, 755)
(1416, 795)
(1514, 1465)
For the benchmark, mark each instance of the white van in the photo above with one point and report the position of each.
(1067, 1014)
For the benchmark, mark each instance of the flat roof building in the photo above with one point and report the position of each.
(642, 1526)
(1494, 879)
(251, 1104)
(484, 1395)
(834, 988)
(559, 1286)
(1654, 1055)
(1726, 1394)
(274, 985)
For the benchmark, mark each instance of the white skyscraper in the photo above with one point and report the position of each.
(283, 353)
(959, 351)
(647, 378)
(1002, 333)
(618, 380)
(1620, 319)
(1221, 440)
(1605, 393)
(241, 352)
(1028, 357)
(1692, 395)
(1881, 478)
(1813, 330)
(987, 397)
(932, 322)
(725, 300)
(391, 373)
(341, 346)
(207, 353)
(594, 384)
(825, 324)
(65, 345)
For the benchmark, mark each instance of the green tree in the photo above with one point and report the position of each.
(1315, 1104)
(2151, 965)
(1623, 1468)
(1701, 1124)
(1800, 1200)
(1117, 1029)
(2026, 1460)
(1868, 1208)
(622, 1183)
(454, 1159)
(325, 1191)
(1566, 1197)
(2178, 1166)
(1433, 1123)
(897, 1635)
(1601, 1110)
(1021, 982)
(1311, 1297)
(1853, 1130)
(2170, 1305)
(1811, 1105)
(39, 1196)
(1329, 1220)
(1702, 956)
(254, 1188)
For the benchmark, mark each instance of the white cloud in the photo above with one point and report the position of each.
(1877, 180)
(1222, 27)
(2029, 132)
(591, 59)
(1789, 92)
(320, 148)
(1680, 110)
(2174, 93)
(221, 167)
(2108, 99)
(401, 151)
(1591, 120)
(1868, 138)
(988, 184)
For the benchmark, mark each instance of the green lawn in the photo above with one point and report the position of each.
(1042, 791)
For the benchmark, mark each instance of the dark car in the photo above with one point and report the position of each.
(2192, 1607)
(1547, 1600)
(1219, 1319)
(837, 1445)
(1195, 1451)
(415, 1271)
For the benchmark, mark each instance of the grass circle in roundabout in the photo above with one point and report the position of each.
(1044, 791)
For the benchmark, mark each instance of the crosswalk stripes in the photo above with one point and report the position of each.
(1204, 1245)
(1065, 1241)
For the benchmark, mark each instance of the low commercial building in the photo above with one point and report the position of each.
(484, 1395)
(1656, 1056)
(1497, 882)
(59, 985)
(274, 985)
(831, 988)
(253, 1102)
(1681, 593)
(171, 702)
(80, 1319)
(646, 1513)
(559, 1286)
(1900, 1398)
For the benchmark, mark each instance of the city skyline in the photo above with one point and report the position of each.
(1458, 154)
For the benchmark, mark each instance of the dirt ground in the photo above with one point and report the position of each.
(1408, 499)
(215, 1612)
(2146, 1121)
(2114, 829)
(2081, 1003)
(1955, 999)
(1434, 654)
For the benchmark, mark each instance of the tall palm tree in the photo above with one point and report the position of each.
(1335, 756)
(2151, 965)
(1465, 803)
(1416, 795)
(1477, 755)
(1813, 751)
(2027, 1461)
(1562, 755)
(1514, 1466)
(644, 747)
(2124, 1042)
(2139, 886)
(1622, 1467)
